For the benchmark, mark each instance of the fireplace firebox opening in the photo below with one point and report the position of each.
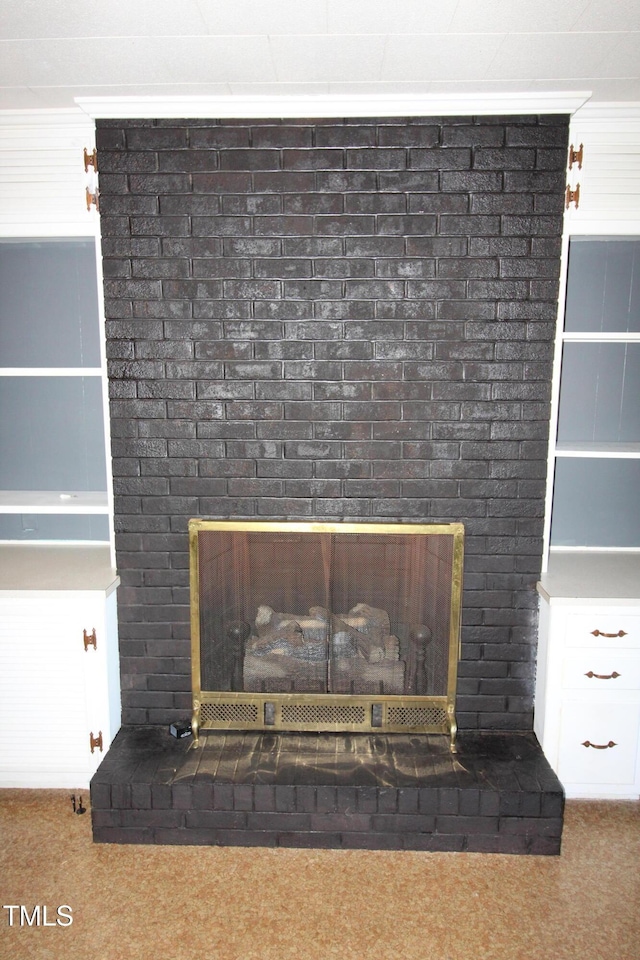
(325, 627)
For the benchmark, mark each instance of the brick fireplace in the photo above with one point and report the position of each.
(332, 320)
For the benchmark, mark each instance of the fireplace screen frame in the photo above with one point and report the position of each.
(389, 713)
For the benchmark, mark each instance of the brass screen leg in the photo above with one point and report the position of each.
(453, 729)
(195, 721)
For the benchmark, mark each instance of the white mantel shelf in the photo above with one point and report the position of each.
(53, 568)
(592, 578)
(335, 105)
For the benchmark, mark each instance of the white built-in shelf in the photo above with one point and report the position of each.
(592, 577)
(36, 567)
(595, 461)
(50, 372)
(598, 448)
(53, 501)
(620, 336)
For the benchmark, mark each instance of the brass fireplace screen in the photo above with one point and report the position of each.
(320, 626)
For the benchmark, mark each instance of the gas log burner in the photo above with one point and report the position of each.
(325, 627)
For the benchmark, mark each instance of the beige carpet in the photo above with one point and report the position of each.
(179, 903)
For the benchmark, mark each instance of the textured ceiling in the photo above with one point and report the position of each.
(54, 50)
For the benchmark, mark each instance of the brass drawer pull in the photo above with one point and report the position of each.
(599, 633)
(600, 746)
(602, 676)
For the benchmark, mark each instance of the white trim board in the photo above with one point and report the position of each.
(326, 106)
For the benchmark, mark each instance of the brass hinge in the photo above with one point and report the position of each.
(572, 196)
(95, 741)
(90, 160)
(90, 639)
(92, 198)
(575, 156)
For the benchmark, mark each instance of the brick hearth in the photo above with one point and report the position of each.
(496, 795)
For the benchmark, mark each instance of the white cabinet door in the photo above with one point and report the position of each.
(54, 694)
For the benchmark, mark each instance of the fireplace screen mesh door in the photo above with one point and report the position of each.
(325, 626)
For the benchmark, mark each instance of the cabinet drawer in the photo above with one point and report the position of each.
(603, 629)
(601, 671)
(599, 743)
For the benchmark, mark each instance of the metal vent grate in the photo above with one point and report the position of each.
(322, 713)
(228, 713)
(416, 716)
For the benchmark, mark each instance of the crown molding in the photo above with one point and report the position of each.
(329, 106)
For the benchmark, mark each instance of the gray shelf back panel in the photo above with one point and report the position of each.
(49, 303)
(600, 392)
(595, 503)
(44, 526)
(603, 285)
(52, 434)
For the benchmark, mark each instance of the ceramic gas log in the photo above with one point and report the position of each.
(352, 653)
(325, 626)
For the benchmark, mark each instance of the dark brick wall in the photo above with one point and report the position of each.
(332, 320)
